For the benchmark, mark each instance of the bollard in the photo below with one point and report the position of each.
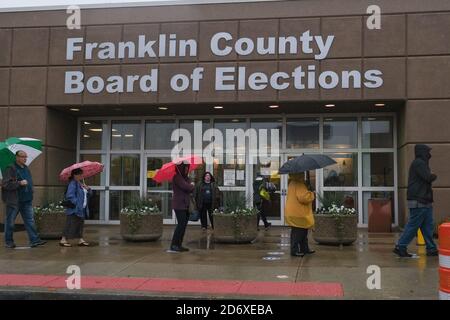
(420, 240)
(444, 261)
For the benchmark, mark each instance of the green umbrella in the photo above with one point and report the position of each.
(8, 149)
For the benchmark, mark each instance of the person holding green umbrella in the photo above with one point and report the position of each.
(17, 193)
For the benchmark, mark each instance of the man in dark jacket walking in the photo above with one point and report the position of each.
(420, 203)
(17, 193)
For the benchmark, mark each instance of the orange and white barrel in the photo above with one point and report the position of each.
(444, 261)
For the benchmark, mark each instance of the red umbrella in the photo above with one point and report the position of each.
(168, 170)
(89, 169)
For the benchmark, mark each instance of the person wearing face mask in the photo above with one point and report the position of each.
(420, 203)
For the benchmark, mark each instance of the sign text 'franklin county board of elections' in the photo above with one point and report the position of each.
(221, 44)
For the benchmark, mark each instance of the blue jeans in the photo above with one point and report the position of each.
(419, 218)
(26, 210)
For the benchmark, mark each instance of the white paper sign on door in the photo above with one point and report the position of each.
(229, 177)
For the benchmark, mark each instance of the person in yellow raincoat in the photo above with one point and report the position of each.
(299, 214)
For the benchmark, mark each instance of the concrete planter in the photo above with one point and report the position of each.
(335, 230)
(50, 225)
(231, 228)
(147, 227)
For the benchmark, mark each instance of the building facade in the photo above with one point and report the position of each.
(317, 72)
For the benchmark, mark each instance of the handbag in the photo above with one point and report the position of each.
(194, 215)
(67, 203)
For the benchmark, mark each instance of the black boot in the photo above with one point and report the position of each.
(402, 252)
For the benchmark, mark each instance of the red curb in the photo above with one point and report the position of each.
(229, 287)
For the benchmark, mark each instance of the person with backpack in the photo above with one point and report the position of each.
(262, 199)
(17, 193)
(76, 201)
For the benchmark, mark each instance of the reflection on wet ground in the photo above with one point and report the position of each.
(267, 259)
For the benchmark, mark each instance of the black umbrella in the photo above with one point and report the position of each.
(306, 162)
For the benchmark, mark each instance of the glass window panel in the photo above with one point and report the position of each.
(125, 135)
(97, 205)
(231, 124)
(269, 124)
(125, 170)
(302, 133)
(348, 199)
(344, 173)
(230, 175)
(340, 133)
(164, 202)
(93, 135)
(99, 179)
(189, 125)
(377, 132)
(120, 199)
(387, 195)
(158, 134)
(378, 169)
(153, 164)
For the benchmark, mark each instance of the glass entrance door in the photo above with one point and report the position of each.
(159, 193)
(269, 170)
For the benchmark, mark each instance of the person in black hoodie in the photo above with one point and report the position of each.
(420, 203)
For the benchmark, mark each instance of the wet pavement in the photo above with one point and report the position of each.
(265, 260)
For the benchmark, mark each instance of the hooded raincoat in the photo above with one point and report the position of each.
(420, 177)
(298, 210)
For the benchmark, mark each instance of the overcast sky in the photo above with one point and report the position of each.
(12, 5)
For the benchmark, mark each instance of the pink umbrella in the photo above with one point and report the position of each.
(168, 170)
(89, 169)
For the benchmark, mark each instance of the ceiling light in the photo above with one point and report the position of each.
(218, 107)
(274, 106)
(116, 135)
(87, 123)
(74, 109)
(96, 129)
(163, 108)
(235, 120)
(379, 104)
(330, 105)
(129, 135)
(86, 136)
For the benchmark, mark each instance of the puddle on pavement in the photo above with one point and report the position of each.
(271, 258)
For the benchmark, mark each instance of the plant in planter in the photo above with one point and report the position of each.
(235, 223)
(335, 223)
(50, 220)
(141, 221)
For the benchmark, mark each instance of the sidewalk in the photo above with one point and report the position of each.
(113, 268)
